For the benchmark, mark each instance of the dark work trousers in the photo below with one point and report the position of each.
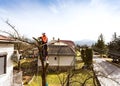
(44, 51)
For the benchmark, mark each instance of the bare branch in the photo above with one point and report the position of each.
(7, 33)
(13, 27)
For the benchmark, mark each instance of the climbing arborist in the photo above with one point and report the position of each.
(44, 42)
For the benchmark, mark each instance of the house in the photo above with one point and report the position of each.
(61, 54)
(6, 66)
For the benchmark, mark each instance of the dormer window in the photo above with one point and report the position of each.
(55, 58)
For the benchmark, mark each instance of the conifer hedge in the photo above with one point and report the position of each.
(87, 56)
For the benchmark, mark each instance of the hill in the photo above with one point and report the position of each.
(85, 42)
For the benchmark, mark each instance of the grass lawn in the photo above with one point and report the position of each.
(78, 78)
(23, 60)
(53, 80)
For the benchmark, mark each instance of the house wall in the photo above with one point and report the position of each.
(60, 61)
(52, 61)
(66, 60)
(6, 79)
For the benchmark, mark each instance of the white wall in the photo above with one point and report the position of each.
(52, 61)
(6, 79)
(60, 60)
(66, 61)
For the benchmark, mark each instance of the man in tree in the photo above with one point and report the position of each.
(44, 40)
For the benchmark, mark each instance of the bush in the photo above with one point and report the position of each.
(29, 68)
(87, 57)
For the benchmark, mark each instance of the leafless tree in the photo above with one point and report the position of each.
(73, 78)
(36, 43)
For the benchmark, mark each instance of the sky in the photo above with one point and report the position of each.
(64, 19)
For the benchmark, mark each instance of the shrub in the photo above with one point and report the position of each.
(87, 56)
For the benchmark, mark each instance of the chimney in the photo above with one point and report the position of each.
(53, 38)
(58, 39)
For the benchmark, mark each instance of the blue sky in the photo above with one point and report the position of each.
(64, 19)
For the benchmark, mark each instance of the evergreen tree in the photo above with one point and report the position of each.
(114, 36)
(114, 45)
(100, 46)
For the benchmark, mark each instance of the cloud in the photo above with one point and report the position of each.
(3, 10)
(65, 19)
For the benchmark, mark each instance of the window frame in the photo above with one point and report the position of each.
(4, 56)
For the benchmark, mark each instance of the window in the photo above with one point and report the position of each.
(3, 59)
(55, 58)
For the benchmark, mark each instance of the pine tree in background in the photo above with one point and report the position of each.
(100, 46)
(114, 45)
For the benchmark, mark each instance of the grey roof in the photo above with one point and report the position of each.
(60, 50)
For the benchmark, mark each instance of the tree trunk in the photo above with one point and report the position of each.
(68, 80)
(43, 78)
(44, 68)
(43, 73)
(19, 66)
